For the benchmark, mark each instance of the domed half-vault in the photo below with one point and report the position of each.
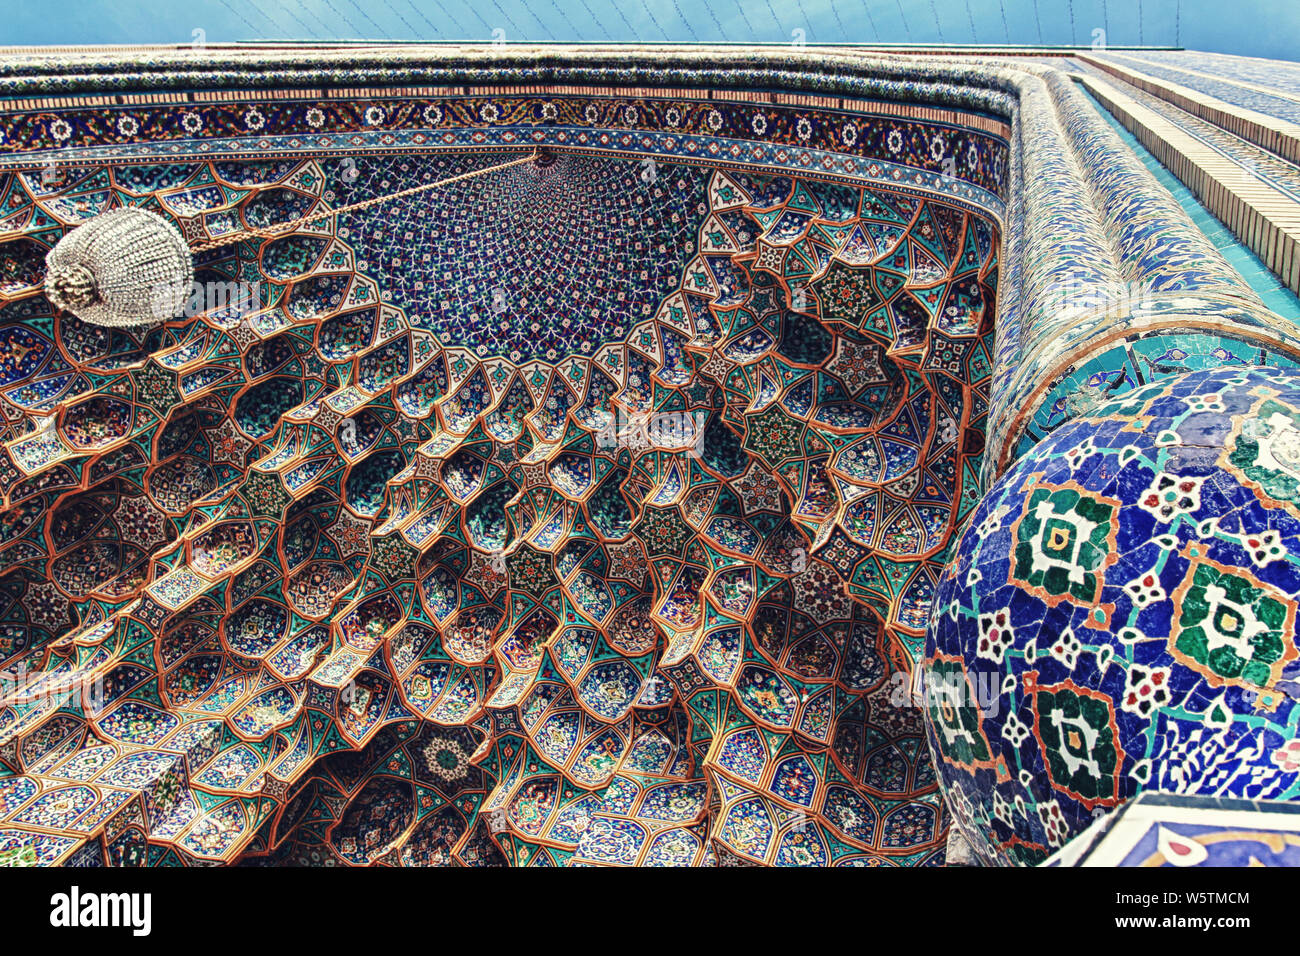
(549, 460)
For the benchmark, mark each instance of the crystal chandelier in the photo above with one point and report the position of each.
(125, 267)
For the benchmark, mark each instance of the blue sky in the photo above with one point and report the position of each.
(1269, 28)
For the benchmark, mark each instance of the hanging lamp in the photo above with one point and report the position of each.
(124, 267)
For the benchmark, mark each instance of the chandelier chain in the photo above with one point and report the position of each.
(285, 228)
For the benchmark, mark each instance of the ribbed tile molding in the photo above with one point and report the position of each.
(1268, 132)
(1264, 219)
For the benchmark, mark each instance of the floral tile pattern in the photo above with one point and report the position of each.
(1128, 592)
